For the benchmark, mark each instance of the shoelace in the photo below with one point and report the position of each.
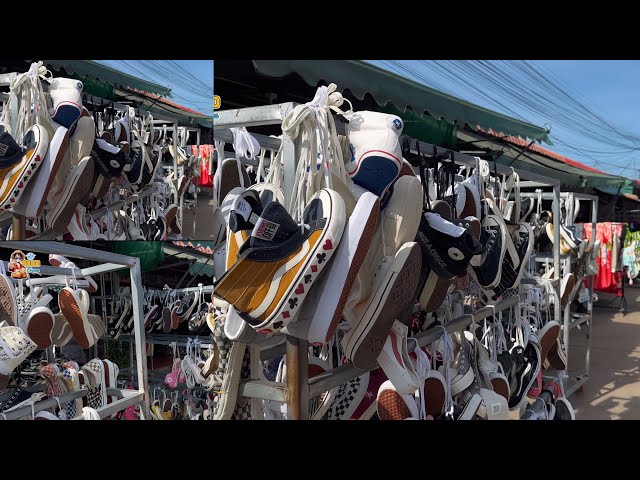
(32, 105)
(314, 124)
(447, 358)
(422, 368)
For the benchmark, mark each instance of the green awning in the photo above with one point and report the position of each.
(387, 88)
(94, 74)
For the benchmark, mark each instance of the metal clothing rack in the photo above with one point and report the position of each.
(298, 389)
(108, 262)
(19, 232)
(564, 315)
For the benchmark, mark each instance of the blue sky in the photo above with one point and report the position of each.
(182, 91)
(610, 88)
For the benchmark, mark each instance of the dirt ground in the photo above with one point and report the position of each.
(613, 390)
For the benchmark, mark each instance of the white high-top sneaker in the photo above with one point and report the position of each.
(66, 95)
(376, 156)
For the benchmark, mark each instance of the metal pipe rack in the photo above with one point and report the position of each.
(19, 232)
(298, 389)
(108, 262)
(576, 382)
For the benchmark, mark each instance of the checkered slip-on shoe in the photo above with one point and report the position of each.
(20, 163)
(348, 398)
(278, 265)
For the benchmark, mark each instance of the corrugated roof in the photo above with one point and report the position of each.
(362, 78)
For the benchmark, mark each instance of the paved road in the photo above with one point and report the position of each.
(613, 391)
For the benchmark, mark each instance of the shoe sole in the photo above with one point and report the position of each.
(39, 329)
(399, 289)
(435, 394)
(166, 319)
(229, 177)
(391, 406)
(8, 305)
(38, 189)
(73, 194)
(469, 204)
(70, 308)
(336, 276)
(548, 337)
(170, 218)
(501, 386)
(434, 292)
(175, 318)
(568, 289)
(556, 358)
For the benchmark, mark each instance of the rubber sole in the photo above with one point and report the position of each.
(395, 295)
(434, 292)
(548, 336)
(39, 328)
(435, 394)
(358, 258)
(71, 310)
(74, 192)
(8, 306)
(34, 207)
(166, 319)
(500, 386)
(391, 406)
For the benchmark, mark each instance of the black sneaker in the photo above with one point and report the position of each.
(109, 159)
(564, 410)
(525, 373)
(488, 274)
(449, 247)
(136, 157)
(522, 238)
(245, 211)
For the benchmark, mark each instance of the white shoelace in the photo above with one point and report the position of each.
(447, 358)
(32, 103)
(422, 368)
(313, 123)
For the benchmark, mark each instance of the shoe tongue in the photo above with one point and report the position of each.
(273, 226)
(8, 146)
(245, 211)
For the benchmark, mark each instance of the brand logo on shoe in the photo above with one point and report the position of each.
(397, 124)
(455, 253)
(265, 229)
(3, 149)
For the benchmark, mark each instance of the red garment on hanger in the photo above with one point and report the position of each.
(605, 280)
(206, 153)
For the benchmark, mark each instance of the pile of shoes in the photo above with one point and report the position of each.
(27, 316)
(369, 252)
(60, 377)
(58, 161)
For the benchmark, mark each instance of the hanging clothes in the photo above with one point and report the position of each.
(631, 252)
(609, 258)
(206, 171)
